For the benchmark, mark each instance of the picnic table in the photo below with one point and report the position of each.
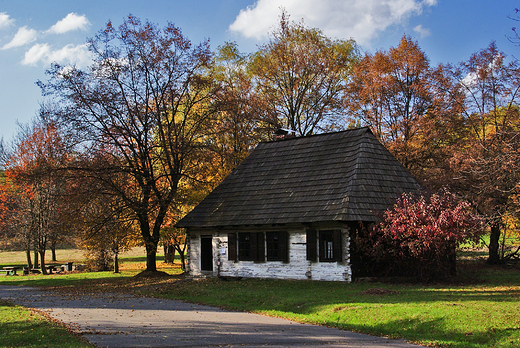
(50, 268)
(11, 270)
(67, 266)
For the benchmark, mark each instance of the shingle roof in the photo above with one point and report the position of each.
(343, 176)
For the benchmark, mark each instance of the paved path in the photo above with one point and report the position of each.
(115, 320)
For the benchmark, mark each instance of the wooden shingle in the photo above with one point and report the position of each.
(342, 176)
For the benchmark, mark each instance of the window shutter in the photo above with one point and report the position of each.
(284, 246)
(260, 247)
(311, 245)
(232, 246)
(337, 245)
(254, 246)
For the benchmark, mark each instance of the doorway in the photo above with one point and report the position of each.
(206, 253)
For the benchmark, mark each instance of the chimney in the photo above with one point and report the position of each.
(283, 133)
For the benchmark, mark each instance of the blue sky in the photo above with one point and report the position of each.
(33, 33)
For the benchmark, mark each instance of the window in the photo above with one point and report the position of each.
(327, 246)
(277, 246)
(330, 246)
(246, 246)
(251, 246)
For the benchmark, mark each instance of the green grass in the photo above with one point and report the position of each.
(484, 315)
(20, 327)
(71, 280)
(479, 309)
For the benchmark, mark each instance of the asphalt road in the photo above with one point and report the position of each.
(116, 320)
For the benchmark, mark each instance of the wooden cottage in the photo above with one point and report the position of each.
(287, 210)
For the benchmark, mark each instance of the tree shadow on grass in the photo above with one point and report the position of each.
(436, 332)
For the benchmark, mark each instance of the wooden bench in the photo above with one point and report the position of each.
(11, 270)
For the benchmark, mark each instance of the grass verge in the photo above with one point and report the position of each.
(21, 327)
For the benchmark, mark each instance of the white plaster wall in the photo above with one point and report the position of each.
(297, 268)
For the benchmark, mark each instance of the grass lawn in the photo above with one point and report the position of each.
(479, 309)
(483, 313)
(20, 327)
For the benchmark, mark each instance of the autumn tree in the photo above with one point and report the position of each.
(302, 76)
(491, 86)
(107, 229)
(33, 169)
(489, 162)
(238, 125)
(174, 241)
(410, 106)
(10, 214)
(15, 216)
(419, 235)
(241, 121)
(143, 105)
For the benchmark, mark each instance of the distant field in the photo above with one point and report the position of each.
(65, 255)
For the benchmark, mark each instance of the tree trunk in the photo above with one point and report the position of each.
(169, 253)
(103, 262)
(29, 261)
(151, 257)
(151, 240)
(116, 262)
(36, 261)
(494, 241)
(53, 250)
(183, 261)
(42, 262)
(181, 255)
(165, 248)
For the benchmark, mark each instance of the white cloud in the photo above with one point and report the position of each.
(36, 53)
(69, 54)
(5, 21)
(423, 32)
(361, 20)
(23, 36)
(43, 52)
(71, 22)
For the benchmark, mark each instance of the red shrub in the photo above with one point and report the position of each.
(419, 235)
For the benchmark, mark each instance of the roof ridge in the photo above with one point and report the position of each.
(354, 176)
(357, 129)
